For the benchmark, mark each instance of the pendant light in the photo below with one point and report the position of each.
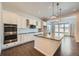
(53, 13)
(59, 9)
(54, 16)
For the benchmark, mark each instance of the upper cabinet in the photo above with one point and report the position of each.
(32, 22)
(21, 22)
(13, 18)
(36, 22)
(9, 17)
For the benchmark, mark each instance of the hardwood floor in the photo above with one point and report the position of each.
(68, 47)
(22, 50)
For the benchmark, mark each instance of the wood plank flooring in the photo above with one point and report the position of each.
(68, 47)
(22, 50)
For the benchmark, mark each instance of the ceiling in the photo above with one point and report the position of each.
(41, 9)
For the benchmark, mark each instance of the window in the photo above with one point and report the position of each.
(66, 25)
(62, 29)
(61, 25)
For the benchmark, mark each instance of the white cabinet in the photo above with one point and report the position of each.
(9, 17)
(21, 22)
(35, 22)
(9, 45)
(13, 18)
(23, 38)
(32, 22)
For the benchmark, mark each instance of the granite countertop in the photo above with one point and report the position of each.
(26, 31)
(33, 33)
(58, 38)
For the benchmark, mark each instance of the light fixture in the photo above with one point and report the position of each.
(54, 16)
(60, 15)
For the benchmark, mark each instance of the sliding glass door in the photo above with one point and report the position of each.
(67, 29)
(62, 29)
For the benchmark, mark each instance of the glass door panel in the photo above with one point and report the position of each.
(62, 29)
(56, 26)
(66, 25)
(67, 29)
(61, 25)
(56, 30)
(56, 34)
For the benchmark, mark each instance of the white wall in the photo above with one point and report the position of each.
(77, 27)
(9, 17)
(0, 27)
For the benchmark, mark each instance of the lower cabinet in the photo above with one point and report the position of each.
(22, 38)
(9, 45)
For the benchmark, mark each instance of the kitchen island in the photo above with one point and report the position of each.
(46, 45)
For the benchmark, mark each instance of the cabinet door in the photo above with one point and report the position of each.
(9, 17)
(21, 22)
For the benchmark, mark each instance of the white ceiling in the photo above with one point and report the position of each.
(40, 9)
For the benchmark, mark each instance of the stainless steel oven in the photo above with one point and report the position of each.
(10, 33)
